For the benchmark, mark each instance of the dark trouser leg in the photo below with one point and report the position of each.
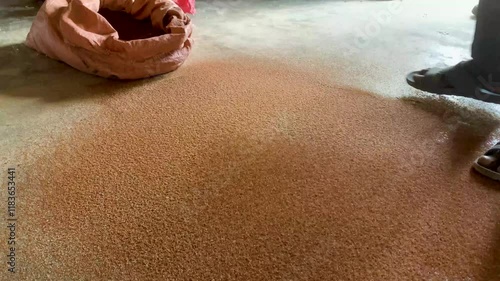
(486, 46)
(478, 78)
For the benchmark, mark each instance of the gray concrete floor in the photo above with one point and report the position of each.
(369, 45)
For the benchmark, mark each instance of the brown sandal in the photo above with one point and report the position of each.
(488, 165)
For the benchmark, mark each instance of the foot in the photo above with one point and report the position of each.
(455, 80)
(460, 80)
(436, 76)
(489, 164)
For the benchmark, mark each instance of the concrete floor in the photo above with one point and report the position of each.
(369, 45)
(40, 98)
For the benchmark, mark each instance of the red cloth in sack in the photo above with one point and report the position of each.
(188, 6)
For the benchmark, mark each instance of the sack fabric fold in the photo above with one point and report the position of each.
(74, 32)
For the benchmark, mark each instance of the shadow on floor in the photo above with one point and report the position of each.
(19, 13)
(468, 128)
(18, 9)
(493, 272)
(28, 74)
(492, 265)
(471, 128)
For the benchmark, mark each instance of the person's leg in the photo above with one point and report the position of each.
(475, 78)
(478, 78)
(486, 59)
(486, 46)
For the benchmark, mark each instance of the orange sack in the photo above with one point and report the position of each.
(73, 31)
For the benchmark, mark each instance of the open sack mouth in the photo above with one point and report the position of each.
(188, 6)
(113, 38)
(128, 27)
